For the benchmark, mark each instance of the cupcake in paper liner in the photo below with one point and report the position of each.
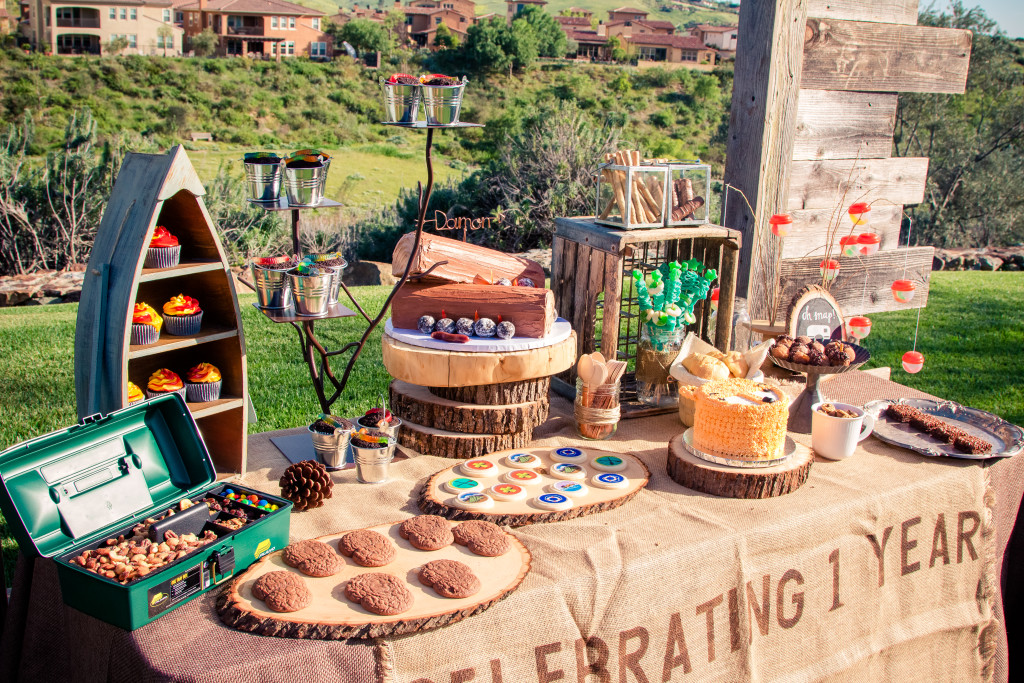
(146, 324)
(164, 381)
(164, 250)
(135, 394)
(202, 383)
(182, 316)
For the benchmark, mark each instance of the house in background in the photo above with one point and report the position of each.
(6, 21)
(422, 19)
(652, 48)
(77, 27)
(722, 38)
(514, 7)
(263, 28)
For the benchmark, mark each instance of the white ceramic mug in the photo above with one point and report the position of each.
(836, 438)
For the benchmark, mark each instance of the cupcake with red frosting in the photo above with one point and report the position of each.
(164, 250)
(202, 383)
(146, 324)
(134, 394)
(164, 381)
(183, 316)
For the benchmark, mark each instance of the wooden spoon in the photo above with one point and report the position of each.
(585, 367)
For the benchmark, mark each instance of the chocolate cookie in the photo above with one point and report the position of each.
(427, 532)
(282, 591)
(482, 538)
(379, 593)
(367, 548)
(450, 578)
(313, 558)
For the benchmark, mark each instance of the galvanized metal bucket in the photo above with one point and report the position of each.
(373, 464)
(442, 103)
(331, 448)
(263, 181)
(337, 270)
(304, 186)
(401, 103)
(311, 293)
(391, 430)
(273, 287)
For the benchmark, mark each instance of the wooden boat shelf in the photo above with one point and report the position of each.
(152, 190)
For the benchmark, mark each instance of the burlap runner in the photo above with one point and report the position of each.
(672, 582)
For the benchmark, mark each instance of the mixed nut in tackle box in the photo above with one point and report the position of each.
(129, 507)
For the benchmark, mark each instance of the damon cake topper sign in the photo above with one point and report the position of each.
(442, 221)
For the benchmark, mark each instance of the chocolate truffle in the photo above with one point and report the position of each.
(445, 325)
(506, 330)
(484, 327)
(425, 324)
(464, 326)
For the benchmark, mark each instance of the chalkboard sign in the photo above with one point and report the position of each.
(814, 313)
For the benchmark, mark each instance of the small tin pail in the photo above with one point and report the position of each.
(401, 103)
(273, 287)
(311, 293)
(442, 103)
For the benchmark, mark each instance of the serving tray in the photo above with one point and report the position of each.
(332, 616)
(1006, 439)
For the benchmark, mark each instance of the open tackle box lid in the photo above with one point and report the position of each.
(70, 487)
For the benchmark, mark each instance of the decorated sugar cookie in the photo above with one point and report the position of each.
(568, 470)
(573, 455)
(522, 461)
(553, 501)
(462, 485)
(608, 463)
(478, 468)
(573, 489)
(522, 477)
(474, 500)
(507, 492)
(610, 480)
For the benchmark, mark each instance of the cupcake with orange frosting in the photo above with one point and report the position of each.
(202, 383)
(182, 316)
(165, 381)
(164, 250)
(134, 394)
(146, 324)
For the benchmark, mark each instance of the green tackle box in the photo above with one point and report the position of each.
(71, 490)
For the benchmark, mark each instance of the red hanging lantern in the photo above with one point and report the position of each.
(913, 361)
(903, 291)
(869, 243)
(859, 327)
(857, 212)
(849, 245)
(714, 298)
(828, 268)
(780, 223)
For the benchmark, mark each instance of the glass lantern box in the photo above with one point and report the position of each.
(630, 197)
(688, 192)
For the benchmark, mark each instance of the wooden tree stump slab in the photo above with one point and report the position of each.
(497, 394)
(332, 616)
(436, 500)
(446, 444)
(440, 368)
(736, 482)
(416, 404)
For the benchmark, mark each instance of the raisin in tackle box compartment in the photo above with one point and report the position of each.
(140, 475)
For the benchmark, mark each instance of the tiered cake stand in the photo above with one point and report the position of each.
(468, 403)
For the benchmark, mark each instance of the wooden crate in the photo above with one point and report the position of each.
(151, 190)
(590, 271)
(813, 112)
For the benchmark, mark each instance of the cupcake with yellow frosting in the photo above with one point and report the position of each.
(202, 383)
(164, 381)
(182, 316)
(164, 250)
(134, 394)
(146, 324)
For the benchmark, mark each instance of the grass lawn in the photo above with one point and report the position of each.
(971, 336)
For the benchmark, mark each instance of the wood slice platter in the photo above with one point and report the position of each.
(416, 404)
(446, 444)
(497, 394)
(442, 368)
(332, 616)
(436, 499)
(736, 482)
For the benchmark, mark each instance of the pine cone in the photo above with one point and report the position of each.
(307, 484)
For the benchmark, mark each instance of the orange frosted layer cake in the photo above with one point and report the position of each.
(740, 419)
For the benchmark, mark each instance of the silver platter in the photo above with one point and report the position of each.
(1006, 439)
(788, 449)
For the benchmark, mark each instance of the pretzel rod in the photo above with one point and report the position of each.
(654, 209)
(688, 196)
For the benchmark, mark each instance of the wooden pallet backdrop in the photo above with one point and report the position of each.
(814, 96)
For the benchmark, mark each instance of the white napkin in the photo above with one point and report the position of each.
(694, 344)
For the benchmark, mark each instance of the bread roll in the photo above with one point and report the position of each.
(704, 366)
(737, 365)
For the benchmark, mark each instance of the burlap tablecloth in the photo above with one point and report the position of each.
(674, 583)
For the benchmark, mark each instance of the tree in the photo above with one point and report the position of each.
(444, 38)
(116, 45)
(618, 53)
(706, 88)
(205, 44)
(166, 35)
(551, 40)
(394, 24)
(366, 36)
(484, 49)
(520, 44)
